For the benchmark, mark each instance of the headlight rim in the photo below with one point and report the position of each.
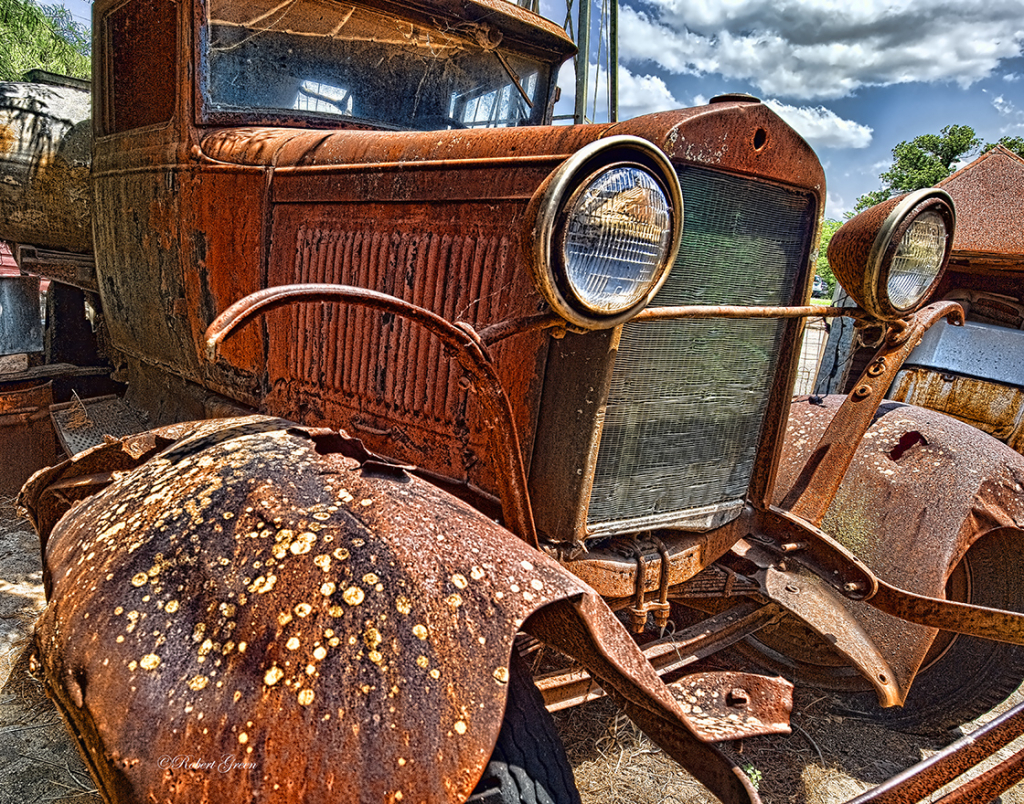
(894, 228)
(555, 199)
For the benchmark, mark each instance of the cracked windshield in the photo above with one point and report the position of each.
(305, 59)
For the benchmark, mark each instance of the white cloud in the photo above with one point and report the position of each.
(822, 127)
(1003, 106)
(1011, 77)
(818, 49)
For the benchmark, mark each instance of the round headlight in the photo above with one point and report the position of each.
(608, 223)
(891, 256)
(615, 239)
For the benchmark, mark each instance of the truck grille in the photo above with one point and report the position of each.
(688, 398)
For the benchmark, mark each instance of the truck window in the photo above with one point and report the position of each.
(304, 58)
(140, 44)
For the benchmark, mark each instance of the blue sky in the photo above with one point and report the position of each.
(854, 77)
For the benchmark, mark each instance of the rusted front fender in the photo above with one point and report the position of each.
(263, 612)
(922, 488)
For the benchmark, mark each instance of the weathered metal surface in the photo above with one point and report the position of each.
(813, 492)
(27, 443)
(311, 620)
(460, 341)
(252, 593)
(727, 705)
(989, 196)
(562, 689)
(77, 270)
(984, 351)
(575, 628)
(920, 490)
(45, 153)
(995, 409)
(960, 756)
(21, 329)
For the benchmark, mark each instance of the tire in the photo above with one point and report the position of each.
(528, 765)
(963, 677)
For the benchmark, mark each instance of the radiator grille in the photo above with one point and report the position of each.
(386, 365)
(688, 398)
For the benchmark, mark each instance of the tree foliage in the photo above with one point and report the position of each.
(1015, 144)
(828, 228)
(922, 162)
(41, 37)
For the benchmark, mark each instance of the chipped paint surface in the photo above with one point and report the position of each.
(366, 638)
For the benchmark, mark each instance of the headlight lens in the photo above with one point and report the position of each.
(617, 236)
(917, 260)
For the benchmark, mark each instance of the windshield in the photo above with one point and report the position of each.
(320, 59)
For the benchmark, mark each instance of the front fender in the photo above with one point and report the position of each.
(263, 612)
(922, 488)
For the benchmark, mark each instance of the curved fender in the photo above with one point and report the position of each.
(262, 612)
(922, 488)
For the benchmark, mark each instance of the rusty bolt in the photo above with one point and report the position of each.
(792, 547)
(877, 368)
(853, 586)
(737, 697)
(792, 587)
(862, 391)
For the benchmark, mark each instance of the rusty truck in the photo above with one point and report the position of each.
(450, 417)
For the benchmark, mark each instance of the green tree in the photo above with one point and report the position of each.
(828, 228)
(922, 162)
(1015, 144)
(41, 37)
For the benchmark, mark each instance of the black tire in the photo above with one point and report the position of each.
(963, 677)
(528, 765)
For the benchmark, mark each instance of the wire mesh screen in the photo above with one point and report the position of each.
(688, 397)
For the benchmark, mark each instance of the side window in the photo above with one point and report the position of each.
(141, 47)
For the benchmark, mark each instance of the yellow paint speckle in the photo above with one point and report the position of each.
(537, 584)
(435, 673)
(454, 600)
(323, 561)
(243, 738)
(340, 553)
(150, 661)
(460, 581)
(197, 683)
(423, 662)
(370, 579)
(306, 697)
(328, 589)
(284, 618)
(336, 611)
(501, 675)
(273, 675)
(353, 596)
(140, 579)
(419, 631)
(403, 604)
(293, 643)
(171, 606)
(476, 574)
(303, 609)
(460, 727)
(320, 653)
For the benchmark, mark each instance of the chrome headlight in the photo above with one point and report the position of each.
(891, 256)
(608, 227)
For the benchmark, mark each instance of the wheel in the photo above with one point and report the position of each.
(961, 677)
(529, 765)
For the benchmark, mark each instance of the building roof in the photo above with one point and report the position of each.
(989, 198)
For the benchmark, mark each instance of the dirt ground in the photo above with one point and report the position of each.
(827, 759)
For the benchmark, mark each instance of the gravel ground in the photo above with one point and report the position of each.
(827, 759)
